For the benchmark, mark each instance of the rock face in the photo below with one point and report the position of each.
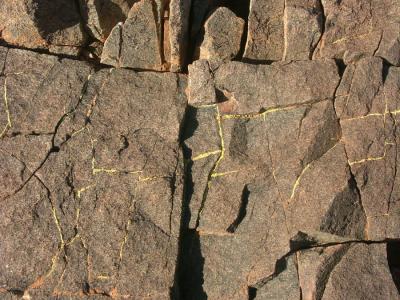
(268, 170)
(102, 15)
(44, 24)
(223, 33)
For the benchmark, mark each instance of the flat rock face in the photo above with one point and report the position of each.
(89, 211)
(361, 28)
(186, 149)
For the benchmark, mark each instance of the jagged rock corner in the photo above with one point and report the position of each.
(192, 149)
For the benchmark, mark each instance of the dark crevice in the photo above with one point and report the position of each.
(341, 66)
(385, 70)
(252, 292)
(393, 257)
(188, 281)
(242, 210)
(322, 22)
(93, 62)
(258, 61)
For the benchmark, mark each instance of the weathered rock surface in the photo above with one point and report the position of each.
(89, 206)
(55, 25)
(222, 37)
(354, 28)
(102, 15)
(269, 171)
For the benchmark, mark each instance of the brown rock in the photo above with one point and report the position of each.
(354, 27)
(178, 33)
(135, 43)
(102, 15)
(302, 27)
(223, 33)
(351, 277)
(53, 25)
(265, 40)
(201, 83)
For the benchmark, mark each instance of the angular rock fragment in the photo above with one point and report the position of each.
(222, 37)
(356, 28)
(283, 30)
(302, 28)
(369, 131)
(315, 267)
(361, 91)
(337, 208)
(179, 12)
(135, 43)
(102, 15)
(265, 39)
(352, 275)
(201, 83)
(53, 25)
(243, 85)
(146, 40)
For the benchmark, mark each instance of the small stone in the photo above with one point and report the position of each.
(223, 34)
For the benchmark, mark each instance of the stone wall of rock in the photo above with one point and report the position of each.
(193, 149)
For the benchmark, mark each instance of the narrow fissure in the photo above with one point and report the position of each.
(393, 257)
(242, 210)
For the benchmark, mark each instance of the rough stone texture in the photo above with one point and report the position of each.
(201, 83)
(283, 30)
(47, 24)
(223, 33)
(64, 195)
(351, 276)
(265, 39)
(273, 176)
(102, 15)
(178, 33)
(135, 43)
(354, 28)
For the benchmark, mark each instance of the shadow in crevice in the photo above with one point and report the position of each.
(189, 272)
(242, 210)
(53, 16)
(393, 257)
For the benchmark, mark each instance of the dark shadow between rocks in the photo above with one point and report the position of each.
(189, 272)
(393, 257)
(52, 16)
(242, 210)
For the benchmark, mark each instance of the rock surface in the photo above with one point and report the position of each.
(223, 33)
(268, 171)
